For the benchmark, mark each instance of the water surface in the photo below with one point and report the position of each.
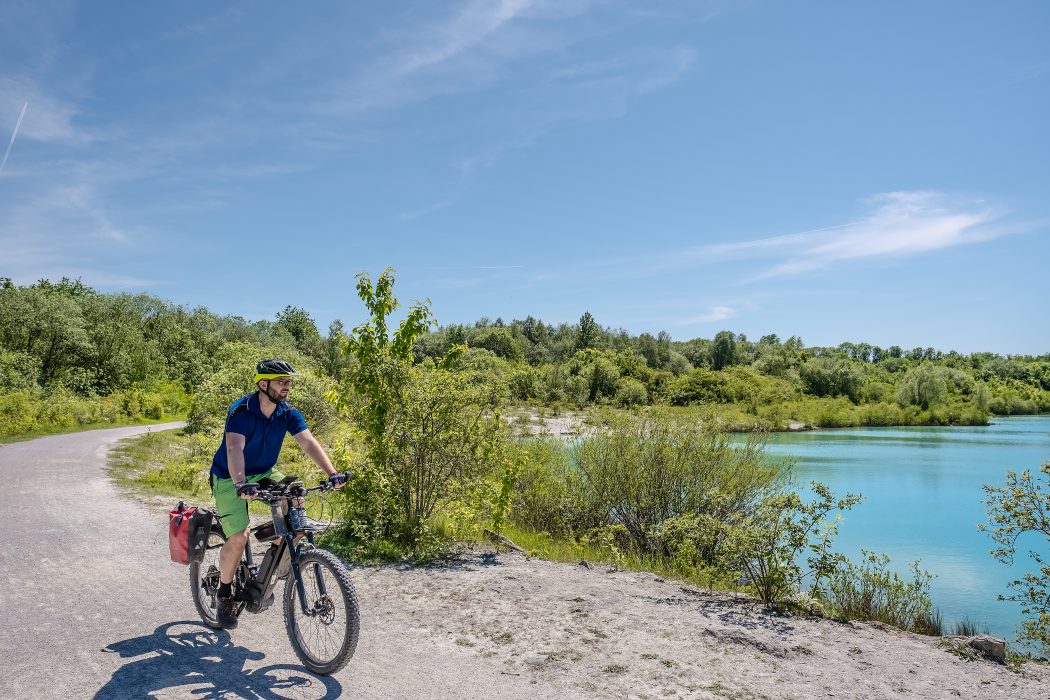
(923, 500)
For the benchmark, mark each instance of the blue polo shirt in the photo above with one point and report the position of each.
(263, 436)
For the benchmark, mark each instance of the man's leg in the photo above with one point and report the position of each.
(233, 514)
(230, 556)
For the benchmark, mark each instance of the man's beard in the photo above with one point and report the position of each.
(274, 396)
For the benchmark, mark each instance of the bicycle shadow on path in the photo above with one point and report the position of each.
(191, 654)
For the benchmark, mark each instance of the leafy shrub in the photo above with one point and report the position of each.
(1018, 508)
(18, 371)
(827, 376)
(631, 392)
(923, 386)
(868, 591)
(233, 379)
(551, 493)
(766, 544)
(524, 384)
(642, 470)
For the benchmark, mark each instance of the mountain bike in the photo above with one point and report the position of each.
(320, 605)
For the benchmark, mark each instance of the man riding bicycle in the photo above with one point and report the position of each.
(255, 428)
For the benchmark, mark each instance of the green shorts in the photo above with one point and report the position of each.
(232, 509)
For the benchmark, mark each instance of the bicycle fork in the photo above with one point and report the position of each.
(298, 573)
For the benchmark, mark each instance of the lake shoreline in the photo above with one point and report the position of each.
(534, 422)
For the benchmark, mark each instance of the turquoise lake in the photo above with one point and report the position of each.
(923, 500)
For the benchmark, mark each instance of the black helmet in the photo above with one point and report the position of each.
(272, 369)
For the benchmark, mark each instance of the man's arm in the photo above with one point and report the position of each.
(235, 456)
(314, 450)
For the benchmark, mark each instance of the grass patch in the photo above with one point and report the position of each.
(562, 655)
(967, 628)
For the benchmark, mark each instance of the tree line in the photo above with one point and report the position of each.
(76, 346)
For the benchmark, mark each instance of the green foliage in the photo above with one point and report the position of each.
(868, 591)
(435, 440)
(373, 385)
(18, 371)
(631, 392)
(504, 494)
(698, 387)
(445, 436)
(447, 455)
(232, 379)
(642, 470)
(297, 323)
(1021, 508)
(923, 386)
(588, 332)
(829, 376)
(551, 493)
(767, 543)
(501, 342)
(38, 411)
(723, 350)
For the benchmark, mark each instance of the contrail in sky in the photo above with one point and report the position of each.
(14, 133)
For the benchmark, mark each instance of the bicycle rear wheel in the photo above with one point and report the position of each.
(204, 580)
(325, 637)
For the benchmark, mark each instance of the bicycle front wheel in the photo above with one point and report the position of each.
(324, 637)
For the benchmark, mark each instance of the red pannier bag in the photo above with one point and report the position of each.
(188, 530)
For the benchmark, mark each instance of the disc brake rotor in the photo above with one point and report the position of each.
(324, 610)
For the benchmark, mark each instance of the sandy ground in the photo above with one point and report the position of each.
(532, 423)
(595, 632)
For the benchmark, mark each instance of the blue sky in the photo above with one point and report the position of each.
(871, 172)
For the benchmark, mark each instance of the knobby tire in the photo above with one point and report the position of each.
(337, 630)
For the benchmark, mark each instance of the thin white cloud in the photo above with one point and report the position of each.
(580, 93)
(715, 313)
(424, 211)
(903, 224)
(898, 225)
(473, 24)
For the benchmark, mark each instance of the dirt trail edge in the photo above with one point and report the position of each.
(94, 608)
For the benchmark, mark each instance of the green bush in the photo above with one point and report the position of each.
(766, 544)
(923, 386)
(641, 470)
(19, 371)
(868, 591)
(631, 392)
(1021, 508)
(550, 494)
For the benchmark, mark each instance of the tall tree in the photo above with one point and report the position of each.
(723, 353)
(587, 335)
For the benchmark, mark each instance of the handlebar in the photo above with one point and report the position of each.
(287, 491)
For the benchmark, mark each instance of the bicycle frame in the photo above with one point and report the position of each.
(265, 578)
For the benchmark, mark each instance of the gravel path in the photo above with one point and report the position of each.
(94, 608)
